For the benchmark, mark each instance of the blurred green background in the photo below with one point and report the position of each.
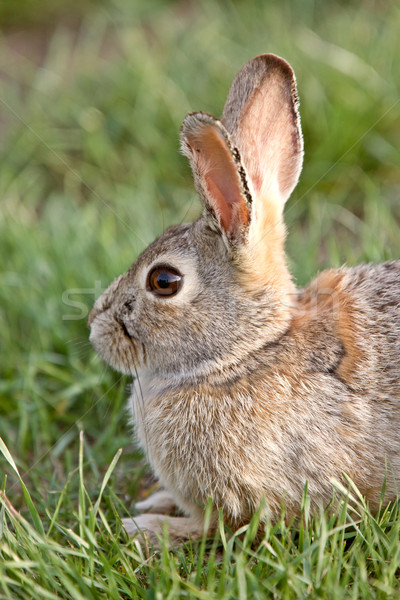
(92, 97)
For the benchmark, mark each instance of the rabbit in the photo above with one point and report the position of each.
(246, 387)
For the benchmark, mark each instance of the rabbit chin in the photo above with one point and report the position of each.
(114, 345)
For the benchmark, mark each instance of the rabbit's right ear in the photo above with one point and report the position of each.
(218, 174)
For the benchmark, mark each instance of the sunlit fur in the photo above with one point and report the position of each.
(246, 387)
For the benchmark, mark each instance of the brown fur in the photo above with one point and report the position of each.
(247, 388)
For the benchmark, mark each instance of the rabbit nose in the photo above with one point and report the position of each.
(129, 304)
(125, 310)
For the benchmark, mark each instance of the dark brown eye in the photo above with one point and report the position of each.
(164, 281)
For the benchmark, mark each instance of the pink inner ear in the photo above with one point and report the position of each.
(270, 144)
(261, 115)
(219, 172)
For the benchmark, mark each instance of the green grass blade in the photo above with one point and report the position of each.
(31, 507)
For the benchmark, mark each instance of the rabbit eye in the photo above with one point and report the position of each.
(164, 281)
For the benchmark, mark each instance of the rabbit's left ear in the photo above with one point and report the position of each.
(218, 174)
(262, 117)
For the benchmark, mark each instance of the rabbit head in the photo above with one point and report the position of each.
(203, 296)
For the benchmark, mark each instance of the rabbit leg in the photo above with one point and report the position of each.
(151, 525)
(160, 502)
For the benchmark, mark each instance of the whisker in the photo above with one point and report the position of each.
(82, 352)
(76, 340)
(162, 215)
(141, 404)
(82, 343)
(80, 346)
(186, 211)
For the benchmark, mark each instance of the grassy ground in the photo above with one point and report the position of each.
(90, 108)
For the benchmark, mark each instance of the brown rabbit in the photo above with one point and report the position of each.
(247, 388)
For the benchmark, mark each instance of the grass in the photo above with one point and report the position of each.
(346, 554)
(90, 173)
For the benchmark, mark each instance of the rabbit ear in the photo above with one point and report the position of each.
(254, 153)
(262, 118)
(261, 115)
(219, 176)
(246, 166)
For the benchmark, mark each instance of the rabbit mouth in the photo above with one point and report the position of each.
(124, 329)
(118, 346)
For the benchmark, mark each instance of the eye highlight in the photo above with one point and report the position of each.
(164, 281)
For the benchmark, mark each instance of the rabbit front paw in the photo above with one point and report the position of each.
(151, 526)
(160, 502)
